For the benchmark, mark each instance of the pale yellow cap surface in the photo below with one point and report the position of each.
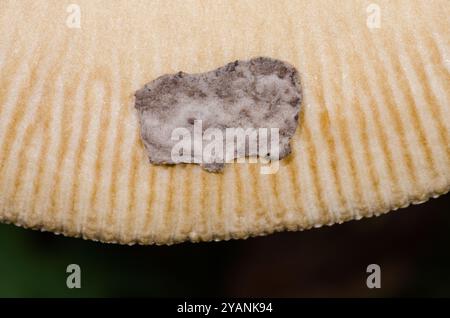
(374, 134)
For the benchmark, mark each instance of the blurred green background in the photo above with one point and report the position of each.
(411, 245)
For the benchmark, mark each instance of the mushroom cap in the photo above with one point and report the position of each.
(373, 134)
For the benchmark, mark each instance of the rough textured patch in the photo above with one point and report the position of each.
(258, 93)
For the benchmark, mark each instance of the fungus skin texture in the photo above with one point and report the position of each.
(257, 93)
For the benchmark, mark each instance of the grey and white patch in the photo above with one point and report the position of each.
(258, 93)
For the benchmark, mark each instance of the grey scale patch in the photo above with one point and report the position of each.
(257, 93)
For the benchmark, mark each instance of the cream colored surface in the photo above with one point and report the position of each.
(374, 132)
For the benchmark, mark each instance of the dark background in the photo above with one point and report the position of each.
(411, 245)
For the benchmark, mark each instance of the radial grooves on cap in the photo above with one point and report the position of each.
(374, 131)
(19, 134)
(51, 144)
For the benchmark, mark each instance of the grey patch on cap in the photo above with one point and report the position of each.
(258, 93)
